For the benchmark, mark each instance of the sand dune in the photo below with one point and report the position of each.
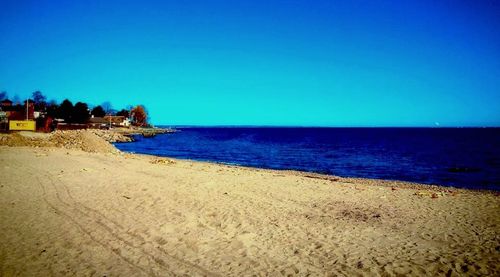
(68, 212)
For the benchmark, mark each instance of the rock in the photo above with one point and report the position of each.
(161, 161)
(463, 169)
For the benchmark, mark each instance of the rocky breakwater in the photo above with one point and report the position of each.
(143, 131)
(112, 135)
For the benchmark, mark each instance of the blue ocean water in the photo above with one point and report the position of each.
(460, 157)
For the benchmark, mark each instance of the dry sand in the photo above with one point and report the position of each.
(69, 212)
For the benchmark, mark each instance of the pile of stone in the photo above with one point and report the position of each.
(110, 135)
(84, 140)
(20, 139)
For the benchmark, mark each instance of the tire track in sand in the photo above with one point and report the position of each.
(112, 235)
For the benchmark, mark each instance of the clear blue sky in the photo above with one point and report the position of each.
(326, 63)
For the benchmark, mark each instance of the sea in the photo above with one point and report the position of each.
(458, 157)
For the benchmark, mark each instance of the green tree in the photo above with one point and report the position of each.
(80, 113)
(52, 109)
(98, 111)
(108, 108)
(65, 111)
(124, 113)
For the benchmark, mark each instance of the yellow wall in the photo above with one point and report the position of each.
(22, 125)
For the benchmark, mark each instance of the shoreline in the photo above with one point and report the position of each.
(121, 135)
(431, 167)
(331, 177)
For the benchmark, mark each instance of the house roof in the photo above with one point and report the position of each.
(13, 108)
(98, 120)
(115, 118)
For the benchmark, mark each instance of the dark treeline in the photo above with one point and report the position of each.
(80, 112)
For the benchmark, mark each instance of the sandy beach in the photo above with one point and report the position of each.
(70, 212)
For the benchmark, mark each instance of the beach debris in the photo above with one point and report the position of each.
(126, 197)
(129, 156)
(434, 195)
(393, 188)
(84, 169)
(161, 161)
(451, 192)
(358, 214)
(463, 169)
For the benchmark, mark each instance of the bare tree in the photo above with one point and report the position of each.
(16, 100)
(40, 100)
(107, 107)
(3, 95)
